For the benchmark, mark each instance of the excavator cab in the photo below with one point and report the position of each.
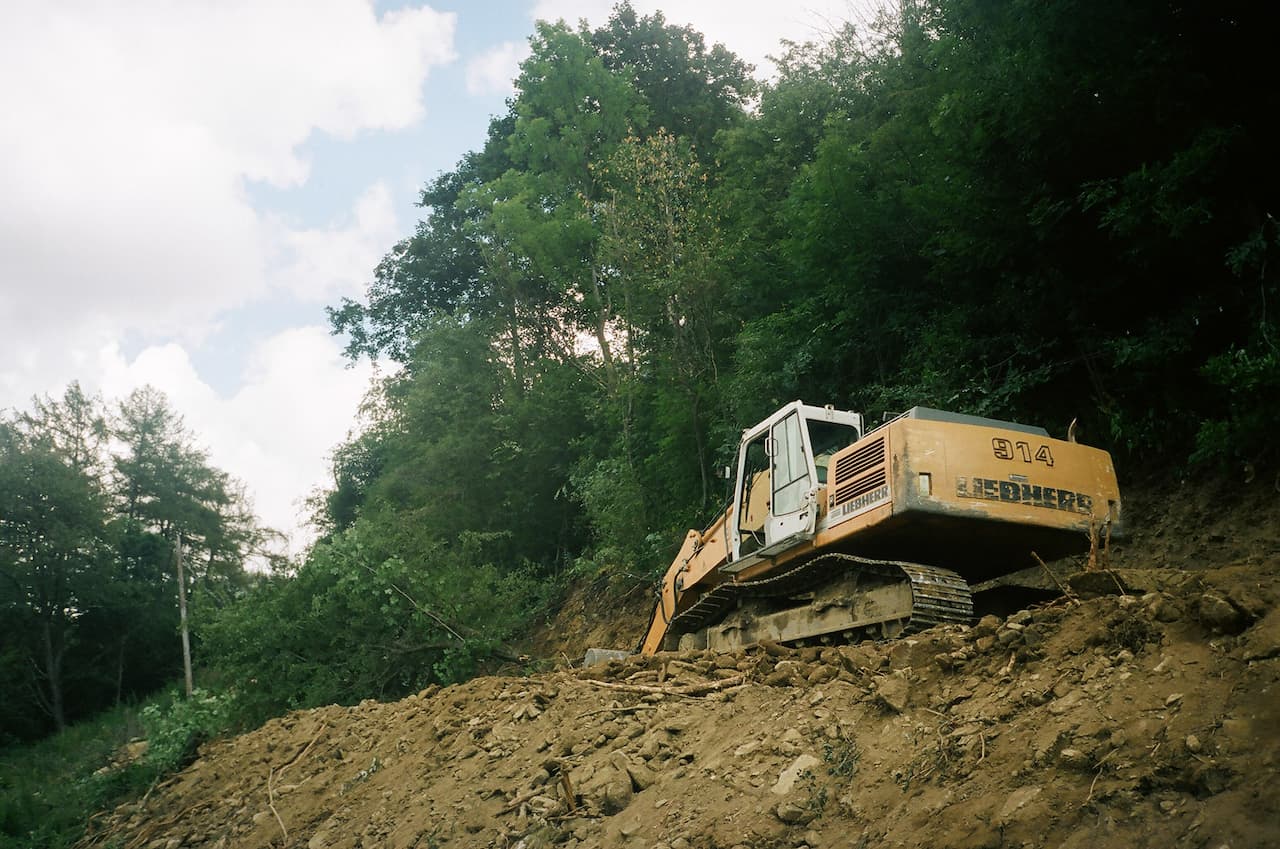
(782, 471)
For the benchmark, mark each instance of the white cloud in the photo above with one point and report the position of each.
(130, 134)
(298, 400)
(321, 264)
(753, 29)
(495, 70)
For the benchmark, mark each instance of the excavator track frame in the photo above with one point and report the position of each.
(938, 596)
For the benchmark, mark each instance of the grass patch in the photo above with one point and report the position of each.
(50, 789)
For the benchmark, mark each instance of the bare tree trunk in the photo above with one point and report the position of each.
(603, 307)
(702, 452)
(120, 670)
(53, 677)
(182, 615)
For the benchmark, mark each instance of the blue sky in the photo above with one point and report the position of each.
(187, 186)
(341, 169)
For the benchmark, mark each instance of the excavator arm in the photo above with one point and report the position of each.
(700, 556)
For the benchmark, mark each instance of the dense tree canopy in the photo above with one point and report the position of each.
(1043, 213)
(1035, 212)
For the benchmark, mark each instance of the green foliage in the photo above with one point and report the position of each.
(1041, 213)
(91, 504)
(1242, 430)
(613, 500)
(48, 789)
(841, 756)
(176, 726)
(357, 622)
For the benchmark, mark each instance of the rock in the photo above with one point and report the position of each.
(987, 626)
(792, 813)
(857, 658)
(1263, 640)
(1220, 615)
(821, 675)
(1193, 744)
(774, 649)
(1074, 759)
(787, 673)
(613, 789)
(650, 747)
(1017, 800)
(1163, 609)
(1058, 707)
(1172, 699)
(894, 691)
(985, 643)
(787, 779)
(642, 778)
(599, 657)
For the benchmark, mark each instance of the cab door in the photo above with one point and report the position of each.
(792, 511)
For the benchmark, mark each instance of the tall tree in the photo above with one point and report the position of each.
(166, 491)
(688, 90)
(53, 543)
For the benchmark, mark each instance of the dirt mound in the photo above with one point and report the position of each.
(597, 612)
(1143, 719)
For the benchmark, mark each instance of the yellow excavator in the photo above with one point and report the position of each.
(838, 533)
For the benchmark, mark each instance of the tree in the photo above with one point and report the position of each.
(688, 90)
(53, 542)
(166, 492)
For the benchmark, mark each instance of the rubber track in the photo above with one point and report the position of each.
(938, 595)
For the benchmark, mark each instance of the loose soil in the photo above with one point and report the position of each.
(1143, 709)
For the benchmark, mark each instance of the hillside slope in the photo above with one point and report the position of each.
(1142, 712)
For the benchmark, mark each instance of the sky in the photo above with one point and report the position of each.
(184, 187)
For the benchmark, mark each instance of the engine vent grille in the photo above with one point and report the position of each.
(864, 484)
(860, 472)
(867, 457)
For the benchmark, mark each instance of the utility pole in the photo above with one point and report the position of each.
(182, 614)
